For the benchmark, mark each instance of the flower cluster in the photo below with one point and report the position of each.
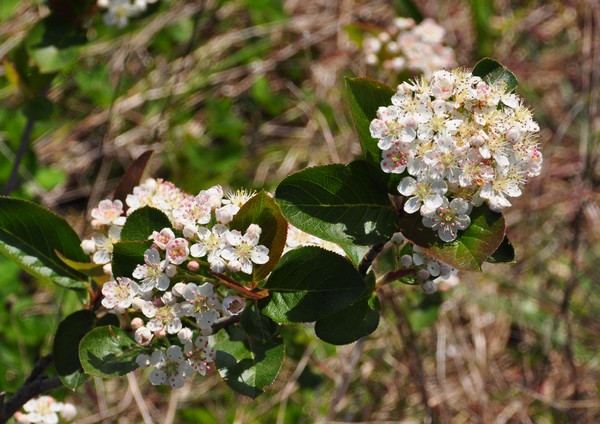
(462, 141)
(45, 410)
(174, 292)
(410, 46)
(118, 12)
(427, 271)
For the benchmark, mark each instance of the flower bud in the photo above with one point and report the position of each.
(136, 323)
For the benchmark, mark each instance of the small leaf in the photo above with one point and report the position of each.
(504, 254)
(493, 72)
(472, 246)
(409, 9)
(343, 204)
(127, 255)
(264, 212)
(31, 235)
(249, 358)
(350, 324)
(91, 269)
(311, 283)
(65, 348)
(108, 352)
(365, 97)
(142, 222)
(132, 177)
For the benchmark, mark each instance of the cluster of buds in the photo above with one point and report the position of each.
(118, 12)
(461, 141)
(406, 45)
(175, 293)
(45, 409)
(425, 270)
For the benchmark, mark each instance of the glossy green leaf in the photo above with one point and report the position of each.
(311, 283)
(91, 269)
(504, 254)
(127, 255)
(350, 324)
(30, 235)
(66, 344)
(142, 222)
(249, 357)
(108, 352)
(66, 347)
(263, 211)
(472, 246)
(365, 96)
(493, 72)
(340, 203)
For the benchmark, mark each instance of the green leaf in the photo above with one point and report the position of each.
(54, 46)
(311, 283)
(127, 255)
(66, 344)
(350, 324)
(354, 252)
(365, 96)
(66, 347)
(263, 211)
(132, 177)
(504, 254)
(30, 235)
(472, 246)
(108, 352)
(249, 358)
(493, 72)
(343, 204)
(91, 269)
(407, 8)
(142, 222)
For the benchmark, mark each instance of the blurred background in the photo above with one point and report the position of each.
(244, 92)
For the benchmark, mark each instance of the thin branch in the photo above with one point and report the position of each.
(25, 393)
(367, 260)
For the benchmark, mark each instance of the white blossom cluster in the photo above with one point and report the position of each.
(173, 293)
(118, 12)
(428, 272)
(462, 142)
(410, 46)
(45, 410)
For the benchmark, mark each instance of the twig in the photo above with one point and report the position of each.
(28, 391)
(367, 260)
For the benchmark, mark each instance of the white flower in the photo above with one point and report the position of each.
(391, 127)
(233, 305)
(211, 242)
(162, 238)
(119, 294)
(244, 250)
(170, 367)
(164, 316)
(143, 336)
(425, 195)
(152, 273)
(232, 203)
(177, 251)
(201, 302)
(108, 212)
(104, 244)
(119, 12)
(45, 409)
(448, 218)
(199, 354)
